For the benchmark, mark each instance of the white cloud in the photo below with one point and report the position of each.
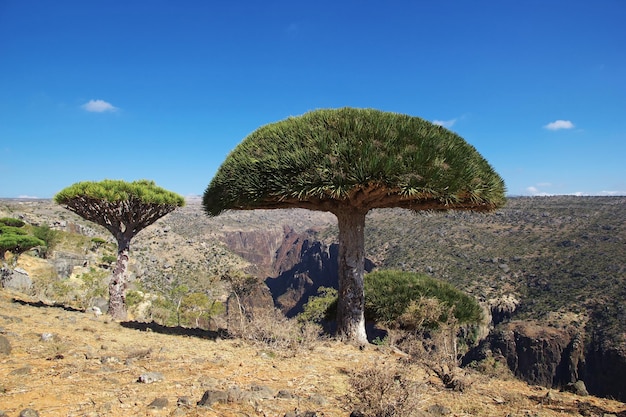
(98, 106)
(27, 196)
(613, 193)
(559, 124)
(534, 191)
(445, 123)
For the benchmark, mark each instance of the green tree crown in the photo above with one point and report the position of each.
(353, 156)
(117, 190)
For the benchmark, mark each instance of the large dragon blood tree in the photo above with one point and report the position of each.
(348, 161)
(124, 209)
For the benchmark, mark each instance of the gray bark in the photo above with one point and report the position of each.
(117, 286)
(351, 304)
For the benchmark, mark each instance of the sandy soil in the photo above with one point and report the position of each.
(71, 363)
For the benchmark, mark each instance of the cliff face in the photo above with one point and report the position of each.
(292, 264)
(555, 357)
(538, 354)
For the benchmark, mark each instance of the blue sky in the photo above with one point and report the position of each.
(163, 90)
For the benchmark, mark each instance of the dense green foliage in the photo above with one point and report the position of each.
(117, 190)
(15, 238)
(389, 294)
(317, 307)
(332, 155)
(10, 221)
(399, 298)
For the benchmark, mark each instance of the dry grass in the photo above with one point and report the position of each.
(91, 365)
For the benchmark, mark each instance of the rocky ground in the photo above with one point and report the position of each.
(62, 362)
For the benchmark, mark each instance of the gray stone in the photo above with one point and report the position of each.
(184, 402)
(29, 412)
(16, 279)
(150, 377)
(261, 392)
(47, 337)
(212, 396)
(5, 346)
(283, 393)
(577, 388)
(235, 395)
(109, 359)
(101, 303)
(158, 403)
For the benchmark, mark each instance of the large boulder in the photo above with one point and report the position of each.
(16, 279)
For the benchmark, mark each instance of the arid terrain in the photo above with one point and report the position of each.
(550, 273)
(71, 363)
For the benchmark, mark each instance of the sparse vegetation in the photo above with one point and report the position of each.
(384, 390)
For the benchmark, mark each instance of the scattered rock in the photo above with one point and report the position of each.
(150, 377)
(15, 279)
(261, 392)
(158, 403)
(184, 402)
(235, 394)
(47, 337)
(109, 359)
(577, 388)
(95, 310)
(29, 412)
(213, 396)
(5, 346)
(286, 394)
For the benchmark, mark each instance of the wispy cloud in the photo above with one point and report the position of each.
(532, 190)
(98, 106)
(613, 193)
(27, 196)
(559, 124)
(445, 123)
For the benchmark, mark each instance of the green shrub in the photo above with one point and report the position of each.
(319, 306)
(47, 235)
(97, 243)
(133, 298)
(18, 243)
(393, 296)
(108, 259)
(9, 221)
(12, 230)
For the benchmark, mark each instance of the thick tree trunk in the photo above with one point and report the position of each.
(117, 286)
(351, 305)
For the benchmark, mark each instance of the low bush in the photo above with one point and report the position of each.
(9, 221)
(383, 390)
(410, 300)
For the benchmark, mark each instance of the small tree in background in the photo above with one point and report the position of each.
(14, 238)
(349, 161)
(124, 209)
